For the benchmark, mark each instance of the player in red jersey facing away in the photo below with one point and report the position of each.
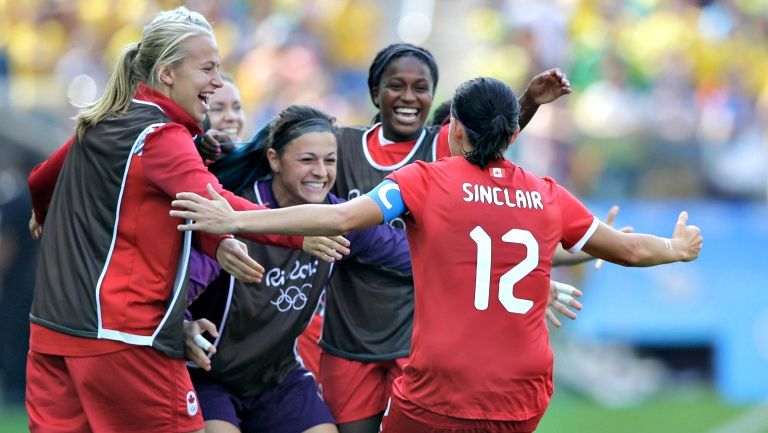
(481, 270)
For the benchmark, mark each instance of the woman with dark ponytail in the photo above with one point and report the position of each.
(482, 233)
(255, 381)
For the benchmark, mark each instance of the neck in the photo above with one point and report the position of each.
(392, 135)
(282, 197)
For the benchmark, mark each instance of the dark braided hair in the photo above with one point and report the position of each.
(248, 163)
(395, 51)
(489, 111)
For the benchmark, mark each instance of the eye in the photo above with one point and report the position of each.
(330, 160)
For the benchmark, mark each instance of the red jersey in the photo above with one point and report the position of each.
(482, 242)
(113, 264)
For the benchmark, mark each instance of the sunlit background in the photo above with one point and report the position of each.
(669, 112)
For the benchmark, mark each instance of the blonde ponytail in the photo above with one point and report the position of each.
(162, 44)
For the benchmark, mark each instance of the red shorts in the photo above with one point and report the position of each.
(309, 346)
(403, 415)
(356, 390)
(137, 389)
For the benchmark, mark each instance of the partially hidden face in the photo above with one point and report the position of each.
(192, 82)
(404, 97)
(226, 111)
(306, 169)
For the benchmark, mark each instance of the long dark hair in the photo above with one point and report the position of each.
(248, 163)
(489, 111)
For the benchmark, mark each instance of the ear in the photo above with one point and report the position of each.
(514, 135)
(457, 129)
(274, 160)
(166, 75)
(375, 96)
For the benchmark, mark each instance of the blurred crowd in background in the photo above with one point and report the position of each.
(670, 97)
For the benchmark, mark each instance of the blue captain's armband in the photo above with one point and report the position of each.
(387, 196)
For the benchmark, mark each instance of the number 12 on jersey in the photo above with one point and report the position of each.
(508, 280)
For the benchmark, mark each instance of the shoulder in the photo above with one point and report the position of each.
(347, 132)
(170, 130)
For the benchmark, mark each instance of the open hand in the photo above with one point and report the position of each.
(326, 248)
(213, 215)
(561, 297)
(233, 257)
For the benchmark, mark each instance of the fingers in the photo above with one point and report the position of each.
(197, 355)
(340, 244)
(553, 318)
(214, 195)
(244, 269)
(233, 256)
(202, 342)
(185, 214)
(566, 289)
(611, 217)
(682, 220)
(562, 309)
(207, 326)
(189, 196)
(186, 227)
(227, 147)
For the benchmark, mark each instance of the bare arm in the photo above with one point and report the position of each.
(217, 216)
(542, 89)
(640, 249)
(565, 258)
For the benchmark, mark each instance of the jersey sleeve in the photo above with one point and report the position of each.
(413, 182)
(42, 180)
(578, 222)
(382, 246)
(202, 271)
(172, 165)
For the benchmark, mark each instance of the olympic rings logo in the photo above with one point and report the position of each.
(291, 298)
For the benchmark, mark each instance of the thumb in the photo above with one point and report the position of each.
(214, 195)
(612, 215)
(208, 326)
(681, 222)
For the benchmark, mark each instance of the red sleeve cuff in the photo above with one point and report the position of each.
(209, 243)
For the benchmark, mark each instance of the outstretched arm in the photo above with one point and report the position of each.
(640, 249)
(565, 258)
(542, 89)
(217, 216)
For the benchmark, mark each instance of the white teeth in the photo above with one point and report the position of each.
(406, 110)
(230, 131)
(315, 185)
